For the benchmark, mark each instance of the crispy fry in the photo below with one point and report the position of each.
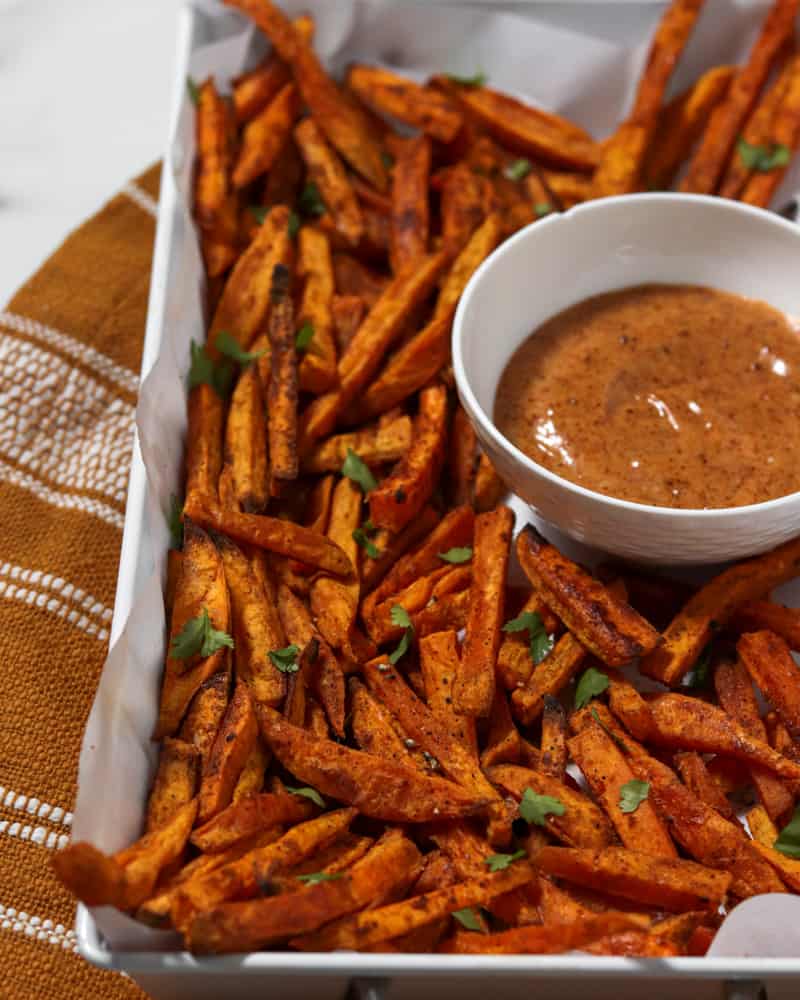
(769, 662)
(271, 533)
(393, 547)
(384, 790)
(478, 247)
(204, 440)
(282, 393)
(583, 824)
(316, 514)
(514, 663)
(403, 494)
(462, 207)
(779, 737)
(761, 826)
(551, 676)
(503, 743)
(784, 133)
(697, 778)
(712, 154)
(609, 627)
(533, 940)
(317, 372)
(755, 616)
(787, 868)
(328, 173)
(247, 817)
(252, 91)
(489, 487)
(246, 444)
(205, 713)
(374, 728)
(175, 782)
(264, 136)
(398, 97)
(347, 312)
(212, 182)
(285, 179)
(410, 213)
(462, 458)
(202, 586)
(251, 779)
(439, 660)
(335, 602)
(386, 441)
(354, 278)
(235, 739)
(736, 696)
(624, 699)
(414, 598)
(473, 690)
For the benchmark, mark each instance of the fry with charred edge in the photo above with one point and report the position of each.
(383, 442)
(244, 876)
(784, 133)
(607, 626)
(736, 695)
(554, 739)
(703, 833)
(715, 147)
(249, 926)
(251, 778)
(582, 824)
(283, 537)
(374, 728)
(326, 170)
(284, 181)
(402, 495)
(681, 123)
(391, 921)
(338, 118)
(398, 97)
(245, 300)
(175, 782)
(713, 605)
(439, 660)
(252, 91)
(756, 616)
(607, 772)
(756, 132)
(317, 372)
(761, 826)
(547, 940)
(316, 515)
(246, 443)
(212, 181)
(552, 675)
(264, 137)
(666, 883)
(125, 879)
(334, 603)
(503, 742)
(625, 699)
(206, 419)
(256, 626)
(462, 207)
(514, 663)
(384, 322)
(699, 780)
(382, 789)
(393, 547)
(347, 312)
(530, 131)
(474, 687)
(624, 154)
(248, 817)
(410, 212)
(202, 586)
(354, 278)
(684, 723)
(769, 662)
(205, 713)
(235, 739)
(282, 393)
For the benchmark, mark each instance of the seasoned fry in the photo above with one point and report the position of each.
(285, 179)
(410, 213)
(354, 278)
(347, 312)
(252, 91)
(317, 371)
(327, 172)
(264, 137)
(755, 616)
(282, 393)
(567, 188)
(697, 778)
(232, 746)
(175, 782)
(396, 96)
(247, 817)
(489, 487)
(440, 663)
(534, 940)
(712, 154)
(784, 133)
(761, 826)
(787, 868)
(551, 676)
(251, 778)
(205, 713)
(334, 603)
(769, 662)
(386, 441)
(503, 742)
(713, 605)
(390, 791)
(204, 440)
(212, 181)
(462, 458)
(246, 444)
(474, 687)
(462, 207)
(374, 728)
(625, 701)
(514, 663)
(478, 247)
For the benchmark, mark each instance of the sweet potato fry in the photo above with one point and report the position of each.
(285, 179)
(514, 663)
(316, 514)
(462, 458)
(779, 737)
(317, 371)
(212, 181)
(583, 824)
(503, 743)
(264, 136)
(334, 602)
(354, 278)
(489, 487)
(271, 533)
(175, 782)
(462, 207)
(607, 626)
(247, 817)
(474, 687)
(784, 133)
(374, 729)
(684, 723)
(282, 392)
(386, 441)
(235, 739)
(398, 97)
(347, 312)
(245, 301)
(410, 212)
(478, 247)
(736, 696)
(246, 444)
(552, 675)
(761, 826)
(439, 660)
(393, 547)
(787, 868)
(383, 790)
(607, 772)
(400, 918)
(204, 440)
(414, 598)
(755, 616)
(554, 739)
(205, 713)
(383, 324)
(252, 91)
(697, 778)
(548, 939)
(174, 567)
(712, 154)
(251, 779)
(713, 605)
(634, 943)
(625, 700)
(681, 123)
(403, 494)
(769, 662)
(327, 172)
(249, 926)
(667, 883)
(623, 156)
(202, 587)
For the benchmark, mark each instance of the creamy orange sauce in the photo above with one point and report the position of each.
(673, 395)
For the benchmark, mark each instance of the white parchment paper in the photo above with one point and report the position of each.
(587, 78)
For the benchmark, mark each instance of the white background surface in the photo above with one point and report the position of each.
(84, 88)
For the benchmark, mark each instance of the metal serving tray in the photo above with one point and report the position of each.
(178, 975)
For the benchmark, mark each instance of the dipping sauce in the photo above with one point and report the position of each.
(672, 395)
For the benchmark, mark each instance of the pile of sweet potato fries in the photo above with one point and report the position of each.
(370, 740)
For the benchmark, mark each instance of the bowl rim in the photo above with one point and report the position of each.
(487, 424)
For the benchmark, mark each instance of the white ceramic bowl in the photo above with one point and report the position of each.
(598, 247)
